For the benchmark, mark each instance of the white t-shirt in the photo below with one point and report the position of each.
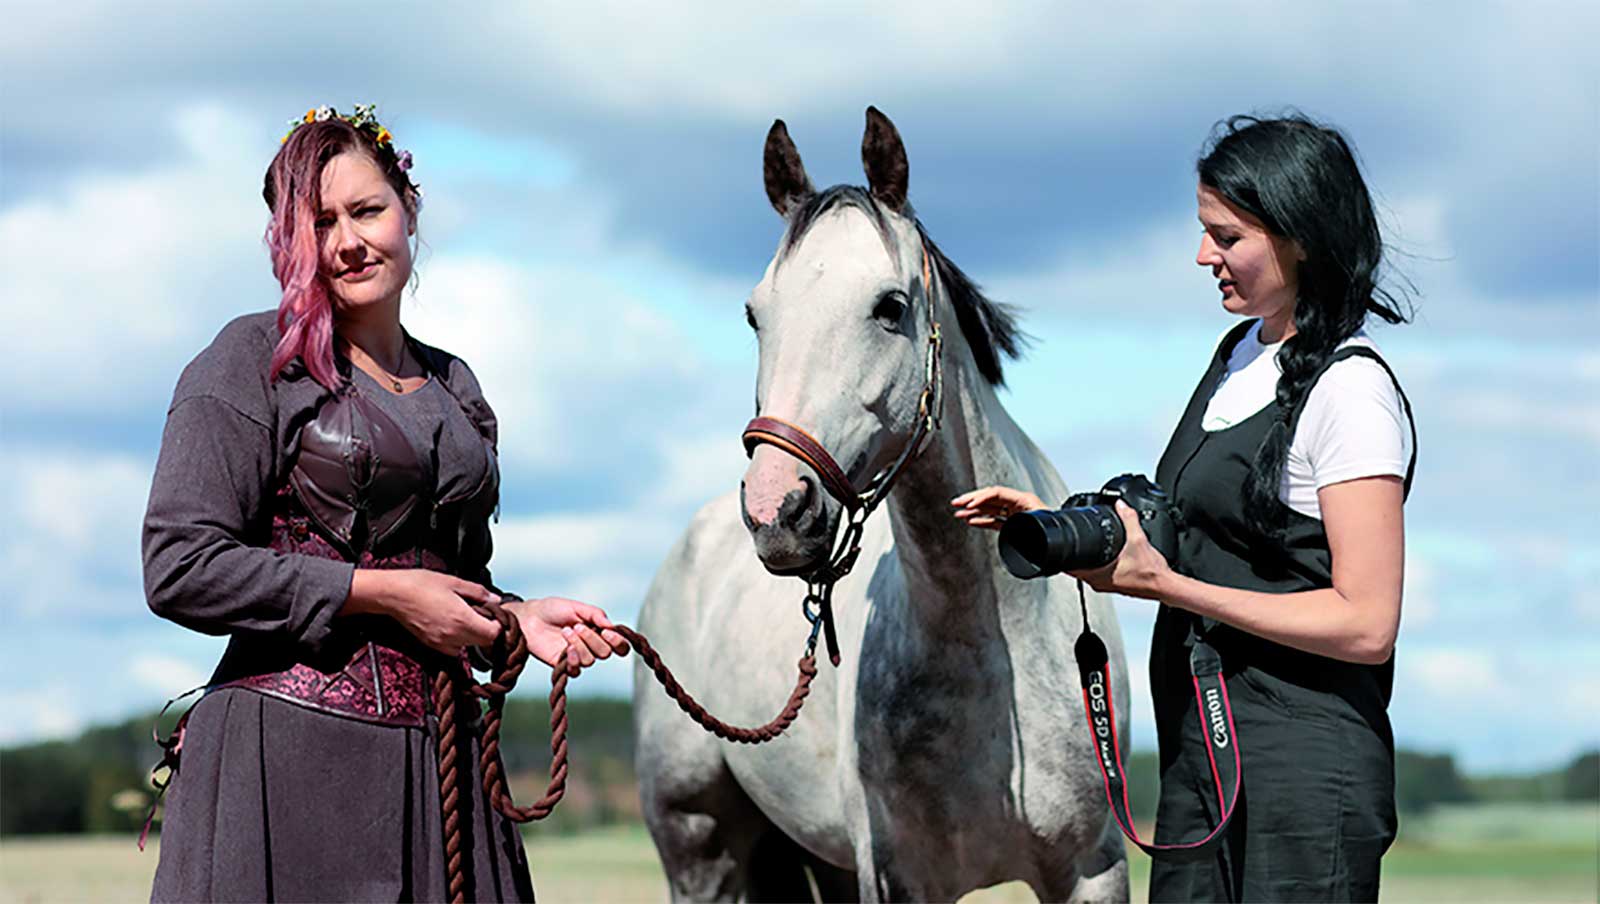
(1353, 424)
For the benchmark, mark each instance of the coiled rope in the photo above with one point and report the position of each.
(508, 656)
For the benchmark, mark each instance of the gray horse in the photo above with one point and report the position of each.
(949, 751)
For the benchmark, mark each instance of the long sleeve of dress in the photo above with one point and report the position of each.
(206, 565)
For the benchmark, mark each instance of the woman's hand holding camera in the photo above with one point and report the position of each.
(1139, 571)
(989, 507)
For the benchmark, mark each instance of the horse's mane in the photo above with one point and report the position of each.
(990, 327)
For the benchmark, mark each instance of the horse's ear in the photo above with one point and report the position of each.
(787, 185)
(883, 156)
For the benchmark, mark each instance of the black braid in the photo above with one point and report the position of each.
(1302, 181)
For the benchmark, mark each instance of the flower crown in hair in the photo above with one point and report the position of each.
(363, 118)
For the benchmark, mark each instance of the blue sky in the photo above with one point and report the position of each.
(595, 217)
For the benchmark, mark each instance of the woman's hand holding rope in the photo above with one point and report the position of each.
(437, 609)
(555, 626)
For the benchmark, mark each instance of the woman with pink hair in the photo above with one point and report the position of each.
(323, 497)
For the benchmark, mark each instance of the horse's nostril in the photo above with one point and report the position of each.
(807, 491)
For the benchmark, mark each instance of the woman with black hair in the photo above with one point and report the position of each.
(1288, 470)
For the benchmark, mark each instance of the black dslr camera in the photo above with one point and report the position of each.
(1086, 533)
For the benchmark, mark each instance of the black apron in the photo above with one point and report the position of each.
(1317, 807)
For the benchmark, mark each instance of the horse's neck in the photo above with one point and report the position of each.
(977, 445)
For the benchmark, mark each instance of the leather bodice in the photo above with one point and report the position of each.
(364, 490)
(368, 488)
(371, 484)
(357, 476)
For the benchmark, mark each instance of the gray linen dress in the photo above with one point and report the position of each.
(274, 801)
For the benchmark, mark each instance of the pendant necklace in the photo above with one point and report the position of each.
(391, 376)
(394, 380)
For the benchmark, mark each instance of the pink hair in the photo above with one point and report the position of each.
(292, 190)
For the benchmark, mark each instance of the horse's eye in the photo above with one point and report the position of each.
(890, 309)
(750, 318)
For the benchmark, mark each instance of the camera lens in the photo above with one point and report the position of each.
(1042, 543)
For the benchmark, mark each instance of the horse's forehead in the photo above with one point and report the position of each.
(843, 244)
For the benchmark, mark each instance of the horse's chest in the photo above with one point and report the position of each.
(914, 724)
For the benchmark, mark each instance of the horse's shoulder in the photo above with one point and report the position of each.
(710, 540)
(715, 526)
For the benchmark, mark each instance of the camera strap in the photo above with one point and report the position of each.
(1216, 721)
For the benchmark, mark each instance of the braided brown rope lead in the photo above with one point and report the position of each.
(444, 705)
(510, 656)
(758, 735)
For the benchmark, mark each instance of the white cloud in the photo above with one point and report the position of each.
(560, 349)
(577, 542)
(1587, 367)
(1457, 677)
(696, 469)
(72, 548)
(1579, 699)
(40, 714)
(1147, 273)
(115, 278)
(160, 673)
(790, 58)
(1546, 698)
(1419, 603)
(793, 59)
(725, 61)
(75, 500)
(1416, 225)
(1511, 410)
(1586, 604)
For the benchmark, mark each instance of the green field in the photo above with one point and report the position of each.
(1469, 853)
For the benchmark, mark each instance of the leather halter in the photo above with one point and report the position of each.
(802, 445)
(795, 441)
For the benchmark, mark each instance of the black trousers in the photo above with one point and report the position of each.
(1317, 806)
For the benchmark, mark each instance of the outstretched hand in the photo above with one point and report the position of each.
(989, 507)
(557, 628)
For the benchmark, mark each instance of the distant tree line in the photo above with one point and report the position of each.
(99, 781)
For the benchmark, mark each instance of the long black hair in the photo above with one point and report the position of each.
(1301, 180)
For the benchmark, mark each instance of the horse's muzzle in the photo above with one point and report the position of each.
(788, 518)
